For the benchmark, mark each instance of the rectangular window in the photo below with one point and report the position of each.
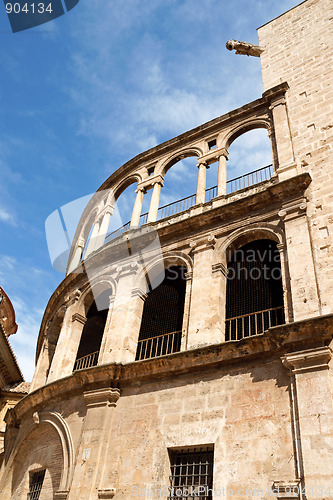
(212, 144)
(36, 483)
(191, 473)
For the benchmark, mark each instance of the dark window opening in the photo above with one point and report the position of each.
(162, 318)
(254, 300)
(212, 144)
(191, 473)
(150, 170)
(92, 333)
(35, 484)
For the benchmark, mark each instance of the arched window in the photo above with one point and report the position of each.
(92, 333)
(254, 300)
(250, 160)
(162, 318)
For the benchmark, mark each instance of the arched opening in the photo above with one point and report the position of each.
(250, 160)
(254, 297)
(179, 190)
(92, 333)
(162, 318)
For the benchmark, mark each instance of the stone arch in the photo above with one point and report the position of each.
(125, 183)
(244, 127)
(241, 236)
(176, 157)
(145, 275)
(62, 431)
(92, 289)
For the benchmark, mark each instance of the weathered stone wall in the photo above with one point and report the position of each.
(298, 50)
(40, 450)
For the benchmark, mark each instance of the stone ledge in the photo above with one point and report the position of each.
(271, 345)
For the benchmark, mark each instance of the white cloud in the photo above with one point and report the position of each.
(6, 216)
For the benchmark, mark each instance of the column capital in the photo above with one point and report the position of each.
(307, 361)
(202, 162)
(278, 101)
(293, 210)
(107, 396)
(224, 152)
(127, 269)
(203, 243)
(141, 189)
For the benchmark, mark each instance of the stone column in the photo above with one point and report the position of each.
(187, 305)
(204, 328)
(40, 375)
(154, 202)
(287, 302)
(77, 255)
(106, 345)
(103, 226)
(222, 174)
(89, 479)
(201, 184)
(93, 239)
(303, 281)
(123, 332)
(57, 369)
(136, 214)
(219, 294)
(287, 165)
(312, 418)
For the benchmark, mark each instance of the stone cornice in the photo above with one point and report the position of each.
(101, 397)
(273, 344)
(308, 360)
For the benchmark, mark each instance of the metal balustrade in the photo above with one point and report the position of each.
(247, 180)
(236, 184)
(159, 345)
(248, 325)
(86, 361)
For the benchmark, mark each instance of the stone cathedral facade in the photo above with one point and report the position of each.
(188, 354)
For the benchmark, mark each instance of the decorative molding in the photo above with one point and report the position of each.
(127, 269)
(189, 276)
(220, 268)
(107, 396)
(150, 181)
(286, 489)
(278, 101)
(293, 210)
(107, 493)
(307, 361)
(61, 494)
(137, 292)
(79, 318)
(203, 162)
(203, 243)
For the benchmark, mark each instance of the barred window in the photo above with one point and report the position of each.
(254, 299)
(191, 473)
(36, 483)
(162, 317)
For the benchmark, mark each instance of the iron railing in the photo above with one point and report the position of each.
(247, 180)
(248, 325)
(159, 345)
(86, 361)
(241, 182)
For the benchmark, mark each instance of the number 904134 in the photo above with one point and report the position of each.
(29, 8)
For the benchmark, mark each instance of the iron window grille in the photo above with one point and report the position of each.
(191, 473)
(36, 483)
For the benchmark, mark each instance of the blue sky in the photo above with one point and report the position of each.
(81, 95)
